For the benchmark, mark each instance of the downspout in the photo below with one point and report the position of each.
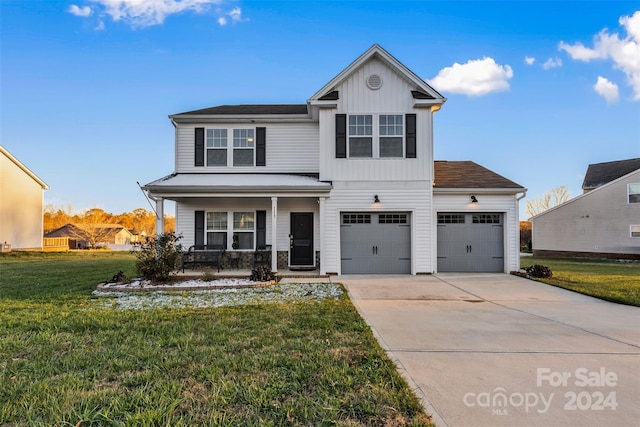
(158, 210)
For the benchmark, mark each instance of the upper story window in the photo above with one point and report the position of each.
(634, 193)
(360, 135)
(216, 147)
(227, 147)
(243, 147)
(376, 135)
(391, 132)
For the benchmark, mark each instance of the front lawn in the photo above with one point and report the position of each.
(611, 280)
(68, 357)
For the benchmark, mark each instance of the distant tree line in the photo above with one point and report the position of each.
(139, 220)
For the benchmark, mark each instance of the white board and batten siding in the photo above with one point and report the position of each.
(185, 216)
(507, 205)
(393, 97)
(411, 197)
(291, 148)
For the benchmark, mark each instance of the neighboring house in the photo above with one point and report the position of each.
(104, 234)
(72, 233)
(21, 205)
(345, 183)
(138, 236)
(603, 222)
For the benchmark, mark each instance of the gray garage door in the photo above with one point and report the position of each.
(375, 243)
(470, 242)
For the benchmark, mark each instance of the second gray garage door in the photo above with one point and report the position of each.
(375, 243)
(470, 242)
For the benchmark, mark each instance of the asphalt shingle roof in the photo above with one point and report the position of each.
(599, 174)
(250, 109)
(468, 174)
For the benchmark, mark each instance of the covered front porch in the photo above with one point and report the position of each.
(245, 213)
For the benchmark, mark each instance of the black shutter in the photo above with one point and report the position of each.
(261, 146)
(410, 137)
(199, 228)
(261, 228)
(341, 136)
(199, 147)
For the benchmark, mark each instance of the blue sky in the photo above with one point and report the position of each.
(536, 91)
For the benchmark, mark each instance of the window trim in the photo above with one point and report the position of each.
(376, 135)
(207, 148)
(231, 230)
(636, 231)
(231, 146)
(402, 135)
(213, 229)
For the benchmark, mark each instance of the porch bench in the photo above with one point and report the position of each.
(203, 255)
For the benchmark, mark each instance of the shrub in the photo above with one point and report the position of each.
(262, 273)
(157, 258)
(538, 271)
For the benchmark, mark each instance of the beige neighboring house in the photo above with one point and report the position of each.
(113, 236)
(603, 222)
(21, 205)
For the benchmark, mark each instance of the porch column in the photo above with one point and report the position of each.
(274, 234)
(159, 215)
(321, 202)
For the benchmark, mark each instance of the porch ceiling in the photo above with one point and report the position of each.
(208, 184)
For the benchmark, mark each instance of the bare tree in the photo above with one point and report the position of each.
(548, 200)
(91, 227)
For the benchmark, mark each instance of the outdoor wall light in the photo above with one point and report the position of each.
(376, 199)
(473, 199)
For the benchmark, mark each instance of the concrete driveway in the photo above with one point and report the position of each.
(500, 350)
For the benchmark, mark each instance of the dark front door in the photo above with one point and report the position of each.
(302, 252)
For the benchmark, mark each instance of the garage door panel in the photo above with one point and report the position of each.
(475, 244)
(380, 244)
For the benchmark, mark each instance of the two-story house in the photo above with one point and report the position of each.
(603, 222)
(345, 183)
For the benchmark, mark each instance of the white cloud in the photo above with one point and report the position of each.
(79, 11)
(476, 77)
(143, 13)
(607, 89)
(623, 52)
(552, 63)
(529, 60)
(235, 14)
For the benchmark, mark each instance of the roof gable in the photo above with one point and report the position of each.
(421, 89)
(599, 174)
(25, 169)
(603, 187)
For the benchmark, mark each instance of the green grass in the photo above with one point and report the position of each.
(609, 280)
(65, 359)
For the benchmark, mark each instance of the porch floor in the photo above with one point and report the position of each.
(233, 273)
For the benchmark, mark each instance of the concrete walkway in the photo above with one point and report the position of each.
(500, 350)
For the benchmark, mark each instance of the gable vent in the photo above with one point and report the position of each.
(374, 82)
